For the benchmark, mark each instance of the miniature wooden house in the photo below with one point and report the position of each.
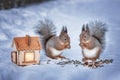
(26, 50)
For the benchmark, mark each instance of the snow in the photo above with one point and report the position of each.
(22, 21)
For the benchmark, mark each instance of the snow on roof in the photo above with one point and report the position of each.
(27, 43)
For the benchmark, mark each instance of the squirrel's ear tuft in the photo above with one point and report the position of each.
(64, 29)
(87, 28)
(83, 28)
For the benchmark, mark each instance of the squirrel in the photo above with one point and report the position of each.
(92, 40)
(53, 44)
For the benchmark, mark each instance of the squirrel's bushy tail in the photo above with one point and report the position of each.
(46, 29)
(98, 30)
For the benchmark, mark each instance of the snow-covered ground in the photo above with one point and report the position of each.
(72, 13)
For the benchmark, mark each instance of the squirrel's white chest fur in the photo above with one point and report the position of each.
(90, 53)
(55, 52)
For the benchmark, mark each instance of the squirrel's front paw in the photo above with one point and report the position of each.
(81, 45)
(59, 57)
(62, 57)
(84, 59)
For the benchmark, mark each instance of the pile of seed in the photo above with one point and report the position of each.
(74, 62)
(97, 64)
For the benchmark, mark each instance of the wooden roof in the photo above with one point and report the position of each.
(27, 43)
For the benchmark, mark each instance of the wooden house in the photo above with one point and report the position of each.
(26, 50)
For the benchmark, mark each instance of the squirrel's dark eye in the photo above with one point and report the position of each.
(65, 39)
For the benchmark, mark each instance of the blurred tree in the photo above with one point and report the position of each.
(16, 3)
(23, 2)
(1, 4)
(7, 4)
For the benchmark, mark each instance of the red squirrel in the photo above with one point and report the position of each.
(92, 40)
(53, 44)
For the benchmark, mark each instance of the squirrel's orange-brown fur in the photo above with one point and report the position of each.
(54, 45)
(92, 40)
